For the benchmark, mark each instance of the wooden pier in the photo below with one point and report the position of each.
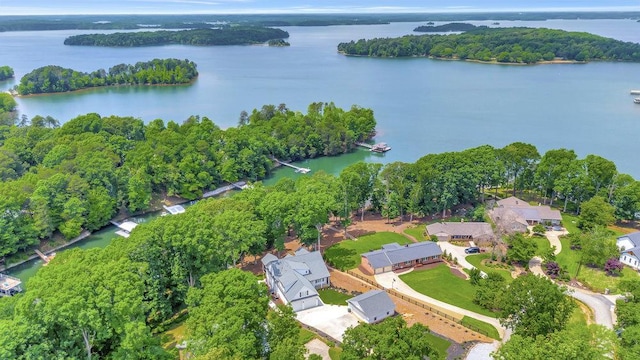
(236, 185)
(297, 168)
(44, 257)
(379, 147)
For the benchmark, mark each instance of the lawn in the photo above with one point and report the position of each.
(476, 260)
(439, 344)
(488, 329)
(439, 283)
(333, 297)
(543, 245)
(174, 335)
(346, 254)
(597, 280)
(417, 232)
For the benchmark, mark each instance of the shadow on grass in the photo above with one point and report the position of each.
(341, 258)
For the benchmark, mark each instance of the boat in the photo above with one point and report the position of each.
(635, 92)
(380, 148)
(636, 100)
(495, 23)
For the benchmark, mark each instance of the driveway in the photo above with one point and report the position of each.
(457, 252)
(330, 319)
(552, 236)
(392, 280)
(602, 307)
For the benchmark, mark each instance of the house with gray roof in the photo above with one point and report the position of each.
(394, 256)
(295, 278)
(629, 245)
(472, 231)
(372, 306)
(514, 215)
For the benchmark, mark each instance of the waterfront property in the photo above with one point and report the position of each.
(629, 245)
(514, 215)
(372, 306)
(472, 231)
(394, 256)
(295, 279)
(9, 285)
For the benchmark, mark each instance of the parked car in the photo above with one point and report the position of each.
(557, 228)
(472, 250)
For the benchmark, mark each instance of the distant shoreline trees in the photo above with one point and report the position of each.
(501, 45)
(6, 72)
(239, 35)
(55, 79)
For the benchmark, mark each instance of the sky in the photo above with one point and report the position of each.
(59, 7)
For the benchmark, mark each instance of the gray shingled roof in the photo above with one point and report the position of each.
(268, 258)
(295, 273)
(398, 254)
(634, 237)
(373, 303)
(474, 229)
(529, 212)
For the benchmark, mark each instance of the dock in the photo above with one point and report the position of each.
(297, 168)
(240, 185)
(379, 147)
(9, 285)
(45, 258)
(125, 228)
(175, 209)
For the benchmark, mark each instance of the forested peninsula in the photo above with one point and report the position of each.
(239, 35)
(447, 27)
(502, 45)
(55, 79)
(78, 176)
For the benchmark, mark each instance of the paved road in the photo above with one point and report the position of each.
(392, 280)
(603, 308)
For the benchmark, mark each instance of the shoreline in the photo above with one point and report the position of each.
(492, 62)
(16, 94)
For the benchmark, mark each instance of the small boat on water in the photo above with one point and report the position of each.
(636, 100)
(635, 92)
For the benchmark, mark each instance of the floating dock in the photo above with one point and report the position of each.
(297, 168)
(9, 285)
(379, 147)
(125, 228)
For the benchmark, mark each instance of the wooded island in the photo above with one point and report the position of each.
(54, 79)
(502, 45)
(240, 35)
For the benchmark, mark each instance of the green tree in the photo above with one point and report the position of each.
(596, 212)
(489, 290)
(534, 305)
(521, 249)
(229, 313)
(390, 339)
(519, 158)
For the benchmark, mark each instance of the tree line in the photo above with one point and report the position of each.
(447, 27)
(6, 72)
(53, 79)
(78, 176)
(235, 35)
(505, 45)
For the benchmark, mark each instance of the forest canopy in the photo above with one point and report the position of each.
(53, 79)
(78, 176)
(240, 35)
(6, 72)
(503, 45)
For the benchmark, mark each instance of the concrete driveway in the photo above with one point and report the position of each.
(330, 319)
(552, 236)
(457, 252)
(603, 308)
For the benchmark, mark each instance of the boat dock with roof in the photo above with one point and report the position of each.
(9, 285)
(379, 147)
(125, 228)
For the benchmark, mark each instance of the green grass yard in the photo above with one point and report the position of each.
(333, 297)
(476, 260)
(417, 232)
(488, 329)
(439, 283)
(439, 344)
(346, 254)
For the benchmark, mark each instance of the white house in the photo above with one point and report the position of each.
(372, 306)
(295, 279)
(629, 246)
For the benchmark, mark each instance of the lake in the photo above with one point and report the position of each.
(422, 106)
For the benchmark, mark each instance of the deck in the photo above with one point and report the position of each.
(9, 285)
